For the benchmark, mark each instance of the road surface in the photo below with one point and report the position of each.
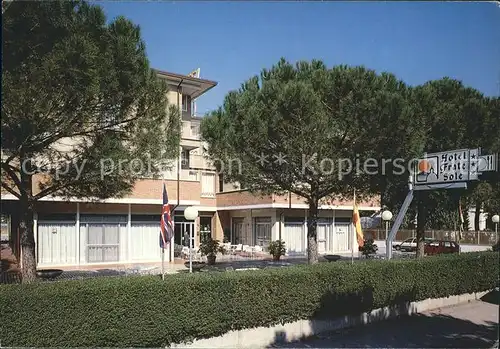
(468, 325)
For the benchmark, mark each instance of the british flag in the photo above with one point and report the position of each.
(167, 226)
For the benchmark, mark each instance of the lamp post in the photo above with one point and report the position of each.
(495, 219)
(190, 213)
(386, 217)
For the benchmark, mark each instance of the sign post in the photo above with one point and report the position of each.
(444, 170)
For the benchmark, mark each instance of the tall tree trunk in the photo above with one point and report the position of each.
(477, 215)
(312, 224)
(421, 219)
(28, 270)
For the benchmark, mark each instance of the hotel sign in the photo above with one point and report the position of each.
(454, 166)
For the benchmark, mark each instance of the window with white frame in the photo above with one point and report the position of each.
(208, 184)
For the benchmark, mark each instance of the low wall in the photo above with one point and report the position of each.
(264, 336)
(463, 247)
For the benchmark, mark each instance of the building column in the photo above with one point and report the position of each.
(197, 232)
(129, 233)
(334, 232)
(305, 230)
(77, 232)
(275, 228)
(171, 249)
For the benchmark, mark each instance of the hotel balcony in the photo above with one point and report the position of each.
(191, 130)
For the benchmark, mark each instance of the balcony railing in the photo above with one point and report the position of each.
(184, 175)
(191, 130)
(200, 162)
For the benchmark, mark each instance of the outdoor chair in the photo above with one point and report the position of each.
(236, 248)
(258, 248)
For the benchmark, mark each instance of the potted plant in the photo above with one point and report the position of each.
(210, 248)
(496, 247)
(277, 249)
(369, 248)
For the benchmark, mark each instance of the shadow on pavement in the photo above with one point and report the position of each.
(416, 331)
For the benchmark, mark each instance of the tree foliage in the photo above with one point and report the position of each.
(78, 98)
(454, 117)
(297, 128)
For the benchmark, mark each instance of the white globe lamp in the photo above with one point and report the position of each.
(387, 215)
(190, 213)
(495, 219)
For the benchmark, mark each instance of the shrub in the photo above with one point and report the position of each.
(369, 248)
(496, 247)
(211, 247)
(277, 249)
(148, 312)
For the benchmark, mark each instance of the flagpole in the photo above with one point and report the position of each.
(353, 235)
(163, 263)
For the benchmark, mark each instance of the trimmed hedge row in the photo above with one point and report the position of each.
(148, 312)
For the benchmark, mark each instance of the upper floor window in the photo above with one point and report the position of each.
(185, 159)
(221, 183)
(5, 229)
(186, 100)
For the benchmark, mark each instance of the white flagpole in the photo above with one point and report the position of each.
(353, 236)
(163, 263)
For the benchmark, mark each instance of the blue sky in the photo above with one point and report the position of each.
(232, 41)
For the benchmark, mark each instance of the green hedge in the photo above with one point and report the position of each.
(148, 312)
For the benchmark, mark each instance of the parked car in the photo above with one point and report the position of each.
(409, 245)
(440, 247)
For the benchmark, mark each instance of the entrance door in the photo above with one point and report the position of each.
(262, 231)
(237, 231)
(205, 228)
(341, 238)
(322, 232)
(183, 231)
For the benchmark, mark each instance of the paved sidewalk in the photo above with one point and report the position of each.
(469, 325)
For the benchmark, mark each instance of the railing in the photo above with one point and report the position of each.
(200, 162)
(184, 175)
(466, 237)
(206, 194)
(190, 130)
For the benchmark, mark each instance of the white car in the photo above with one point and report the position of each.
(409, 245)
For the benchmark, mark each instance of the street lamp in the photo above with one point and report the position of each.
(191, 213)
(495, 219)
(386, 217)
